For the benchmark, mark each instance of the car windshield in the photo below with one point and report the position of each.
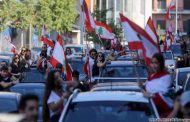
(8, 105)
(33, 76)
(182, 77)
(77, 65)
(37, 90)
(176, 49)
(167, 55)
(77, 49)
(187, 87)
(108, 111)
(125, 71)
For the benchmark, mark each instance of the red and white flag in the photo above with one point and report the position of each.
(139, 39)
(45, 37)
(104, 31)
(86, 67)
(150, 29)
(89, 20)
(13, 48)
(59, 57)
(168, 41)
(172, 6)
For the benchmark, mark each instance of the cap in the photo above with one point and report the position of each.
(185, 98)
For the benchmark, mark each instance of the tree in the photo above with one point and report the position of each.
(58, 15)
(100, 15)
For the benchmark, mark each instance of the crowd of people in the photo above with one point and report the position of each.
(58, 89)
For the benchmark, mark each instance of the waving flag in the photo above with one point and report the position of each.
(139, 39)
(168, 41)
(7, 34)
(104, 31)
(89, 21)
(59, 57)
(45, 37)
(86, 67)
(172, 6)
(150, 29)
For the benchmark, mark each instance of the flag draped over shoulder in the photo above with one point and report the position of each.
(59, 57)
(45, 37)
(172, 6)
(139, 39)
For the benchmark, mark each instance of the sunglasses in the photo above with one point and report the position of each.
(100, 56)
(23, 50)
(93, 53)
(32, 108)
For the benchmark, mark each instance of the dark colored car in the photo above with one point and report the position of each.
(9, 102)
(31, 88)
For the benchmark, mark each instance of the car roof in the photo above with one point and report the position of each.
(9, 95)
(110, 96)
(124, 63)
(185, 69)
(28, 85)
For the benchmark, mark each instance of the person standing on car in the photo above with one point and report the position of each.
(53, 102)
(99, 64)
(15, 70)
(157, 85)
(69, 54)
(28, 106)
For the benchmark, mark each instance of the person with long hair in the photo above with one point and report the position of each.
(158, 85)
(99, 63)
(15, 70)
(54, 97)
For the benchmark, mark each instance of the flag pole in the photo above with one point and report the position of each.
(176, 17)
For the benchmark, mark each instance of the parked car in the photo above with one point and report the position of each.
(186, 85)
(122, 71)
(180, 77)
(169, 60)
(31, 88)
(109, 106)
(9, 102)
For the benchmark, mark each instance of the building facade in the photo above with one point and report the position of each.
(159, 9)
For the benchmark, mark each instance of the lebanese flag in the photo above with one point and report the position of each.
(139, 39)
(86, 67)
(150, 29)
(104, 31)
(44, 37)
(172, 6)
(59, 57)
(168, 41)
(89, 21)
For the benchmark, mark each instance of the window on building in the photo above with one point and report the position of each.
(142, 6)
(186, 4)
(161, 24)
(110, 4)
(118, 5)
(104, 5)
(185, 26)
(161, 4)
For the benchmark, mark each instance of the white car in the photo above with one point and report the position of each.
(180, 77)
(169, 60)
(76, 48)
(108, 106)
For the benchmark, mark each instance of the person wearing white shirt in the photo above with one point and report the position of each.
(54, 97)
(69, 54)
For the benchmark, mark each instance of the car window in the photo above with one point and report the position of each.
(33, 76)
(8, 105)
(182, 76)
(176, 49)
(125, 71)
(39, 91)
(76, 49)
(108, 111)
(187, 87)
(167, 55)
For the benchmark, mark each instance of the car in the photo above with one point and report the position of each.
(116, 86)
(8, 59)
(76, 49)
(169, 60)
(33, 75)
(31, 88)
(122, 71)
(186, 86)
(130, 55)
(77, 64)
(108, 106)
(9, 102)
(180, 77)
(176, 50)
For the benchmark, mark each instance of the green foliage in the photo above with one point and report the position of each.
(58, 15)
(100, 15)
